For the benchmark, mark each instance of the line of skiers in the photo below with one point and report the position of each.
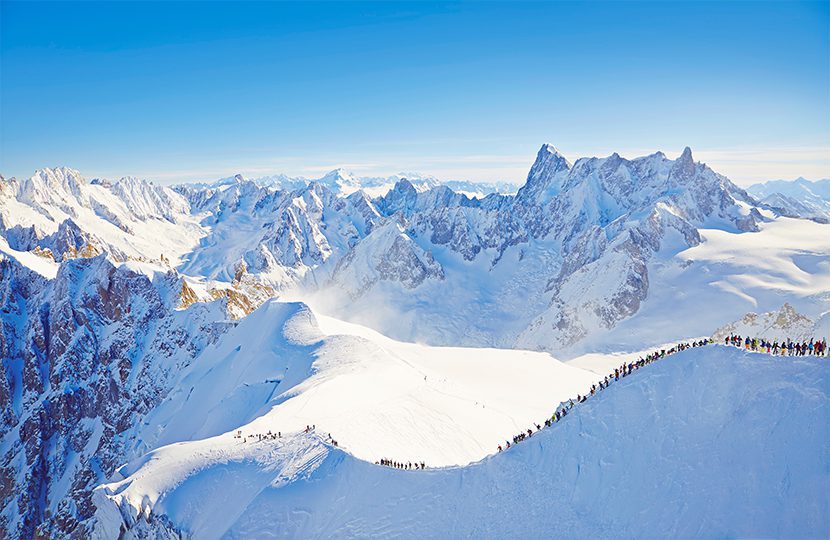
(409, 465)
(623, 371)
(787, 347)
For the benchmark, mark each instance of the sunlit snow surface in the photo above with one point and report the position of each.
(713, 442)
(697, 290)
(280, 371)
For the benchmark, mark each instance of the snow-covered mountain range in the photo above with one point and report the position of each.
(797, 198)
(343, 182)
(146, 325)
(576, 239)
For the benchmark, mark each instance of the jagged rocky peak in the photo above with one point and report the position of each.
(549, 161)
(52, 185)
(549, 164)
(548, 152)
(684, 167)
(400, 198)
(406, 187)
(59, 176)
(146, 200)
(387, 254)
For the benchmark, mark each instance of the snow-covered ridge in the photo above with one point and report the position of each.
(611, 455)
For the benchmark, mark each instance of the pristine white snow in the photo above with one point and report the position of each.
(712, 442)
(281, 371)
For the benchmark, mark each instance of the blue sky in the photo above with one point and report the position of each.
(183, 91)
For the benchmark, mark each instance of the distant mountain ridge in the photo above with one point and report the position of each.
(797, 198)
(343, 182)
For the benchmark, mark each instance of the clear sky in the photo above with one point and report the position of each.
(183, 91)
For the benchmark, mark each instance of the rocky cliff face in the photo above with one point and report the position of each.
(85, 356)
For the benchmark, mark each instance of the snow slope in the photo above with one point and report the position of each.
(43, 266)
(281, 370)
(700, 444)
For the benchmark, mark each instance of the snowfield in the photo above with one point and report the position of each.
(700, 444)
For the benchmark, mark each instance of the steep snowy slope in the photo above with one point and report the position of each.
(280, 370)
(711, 442)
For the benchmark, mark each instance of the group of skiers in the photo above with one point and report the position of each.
(814, 347)
(258, 436)
(409, 465)
(623, 371)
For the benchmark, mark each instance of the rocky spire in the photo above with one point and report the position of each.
(549, 163)
(684, 166)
